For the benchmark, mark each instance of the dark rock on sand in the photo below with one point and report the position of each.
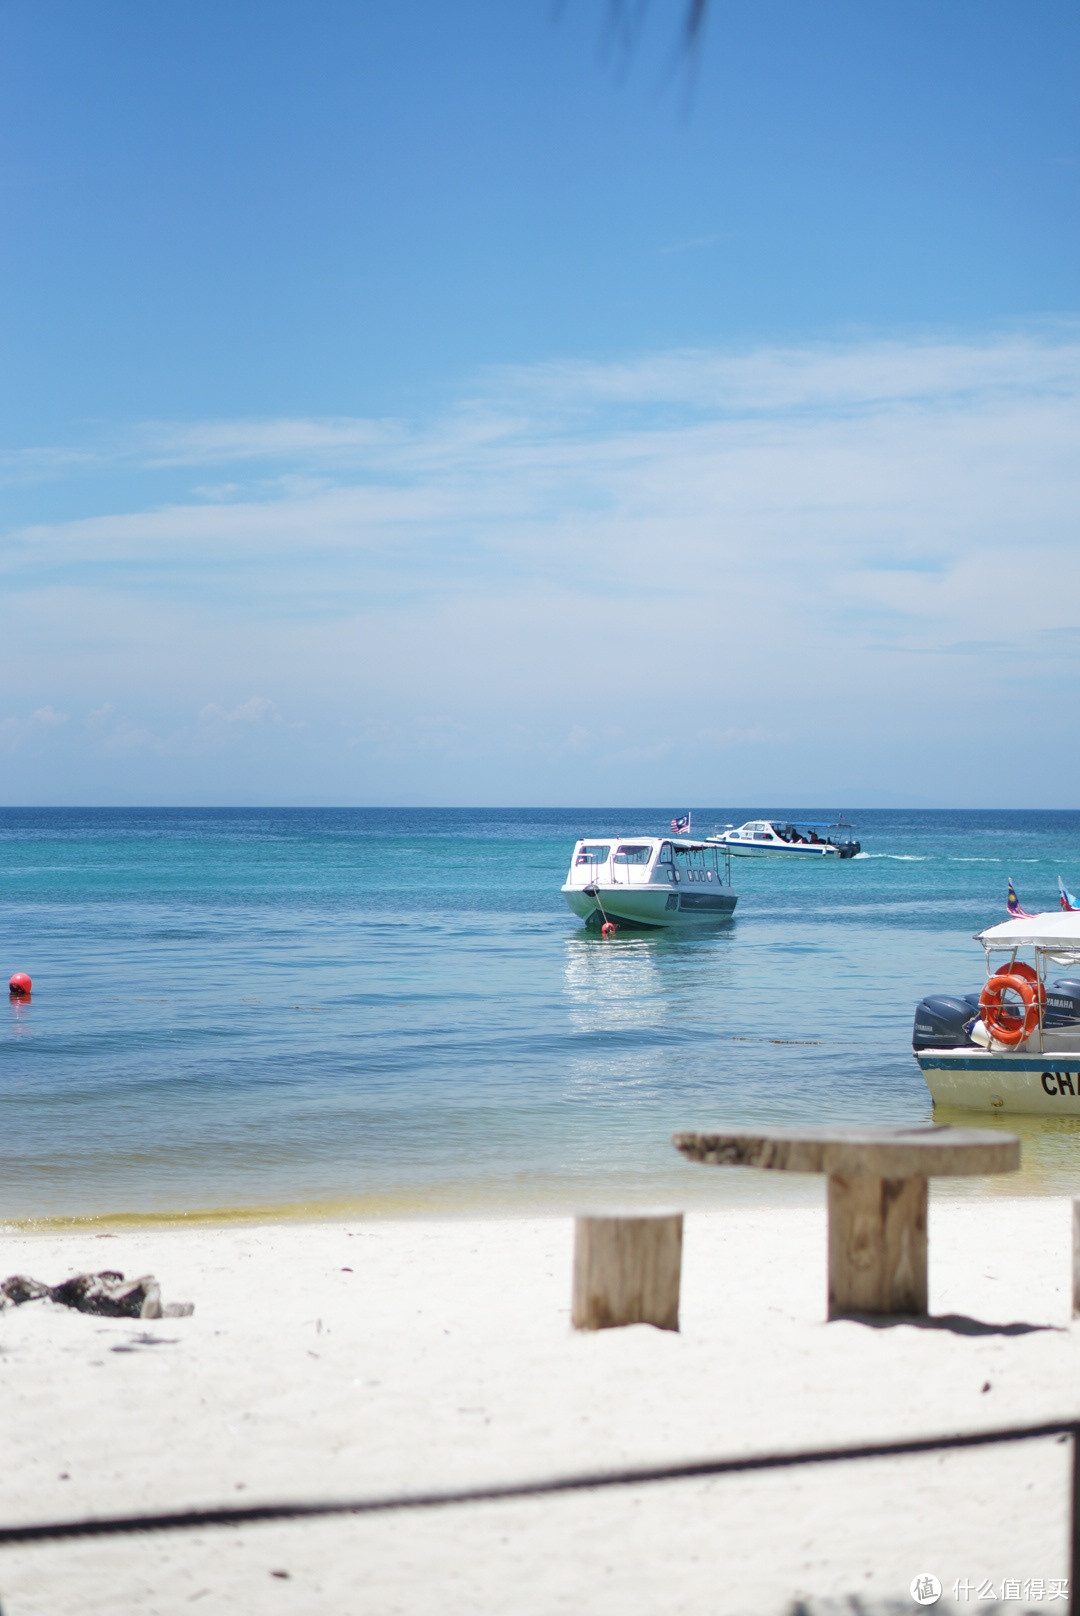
(107, 1293)
(17, 1288)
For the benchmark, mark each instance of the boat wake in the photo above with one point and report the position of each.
(900, 858)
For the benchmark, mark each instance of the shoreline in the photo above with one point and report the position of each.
(716, 1190)
(1049, 1170)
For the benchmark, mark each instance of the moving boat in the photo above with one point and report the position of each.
(649, 881)
(1016, 1045)
(760, 838)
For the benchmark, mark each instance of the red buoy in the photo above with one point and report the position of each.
(608, 929)
(20, 985)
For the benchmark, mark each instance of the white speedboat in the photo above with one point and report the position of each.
(648, 881)
(1014, 1046)
(761, 838)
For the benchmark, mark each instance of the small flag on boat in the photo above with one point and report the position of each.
(1067, 899)
(1014, 904)
(681, 827)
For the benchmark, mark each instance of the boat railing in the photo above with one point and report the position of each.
(630, 875)
(587, 871)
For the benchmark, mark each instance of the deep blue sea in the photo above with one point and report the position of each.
(394, 1010)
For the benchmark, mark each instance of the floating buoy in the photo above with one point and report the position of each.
(608, 929)
(20, 985)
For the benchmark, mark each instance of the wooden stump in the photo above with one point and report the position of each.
(877, 1245)
(627, 1269)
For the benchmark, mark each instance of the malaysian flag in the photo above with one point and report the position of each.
(1014, 904)
(681, 827)
(1067, 899)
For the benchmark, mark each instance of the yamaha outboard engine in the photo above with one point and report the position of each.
(1062, 1003)
(942, 1021)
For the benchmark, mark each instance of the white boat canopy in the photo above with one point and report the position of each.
(1056, 930)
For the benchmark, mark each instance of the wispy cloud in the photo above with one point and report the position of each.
(792, 534)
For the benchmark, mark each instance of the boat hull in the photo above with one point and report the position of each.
(652, 906)
(1045, 1085)
(765, 850)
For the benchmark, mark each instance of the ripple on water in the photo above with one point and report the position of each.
(394, 1009)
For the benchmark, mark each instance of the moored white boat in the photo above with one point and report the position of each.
(762, 838)
(649, 881)
(1015, 1046)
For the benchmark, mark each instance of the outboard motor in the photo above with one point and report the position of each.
(942, 1021)
(1062, 1003)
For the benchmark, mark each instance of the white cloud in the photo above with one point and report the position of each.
(253, 711)
(771, 563)
(20, 731)
(207, 443)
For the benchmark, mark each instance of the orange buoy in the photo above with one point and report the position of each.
(608, 929)
(20, 985)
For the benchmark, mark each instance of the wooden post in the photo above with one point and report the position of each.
(877, 1245)
(1076, 1262)
(627, 1268)
(1074, 1525)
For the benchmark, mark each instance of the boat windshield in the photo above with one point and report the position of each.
(799, 833)
(633, 853)
(593, 853)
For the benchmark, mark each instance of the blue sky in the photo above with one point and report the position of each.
(425, 404)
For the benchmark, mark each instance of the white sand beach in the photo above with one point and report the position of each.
(342, 1359)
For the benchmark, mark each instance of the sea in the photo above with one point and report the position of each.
(275, 1012)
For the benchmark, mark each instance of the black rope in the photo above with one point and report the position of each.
(250, 1515)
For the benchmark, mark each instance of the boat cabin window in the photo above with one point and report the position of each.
(593, 854)
(631, 853)
(697, 859)
(665, 853)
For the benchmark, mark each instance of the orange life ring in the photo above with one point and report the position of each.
(1002, 1022)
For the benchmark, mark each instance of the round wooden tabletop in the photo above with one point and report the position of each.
(923, 1151)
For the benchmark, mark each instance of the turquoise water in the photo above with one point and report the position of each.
(395, 1009)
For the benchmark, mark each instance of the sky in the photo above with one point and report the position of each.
(472, 404)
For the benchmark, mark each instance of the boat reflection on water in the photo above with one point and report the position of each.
(615, 989)
(1049, 1152)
